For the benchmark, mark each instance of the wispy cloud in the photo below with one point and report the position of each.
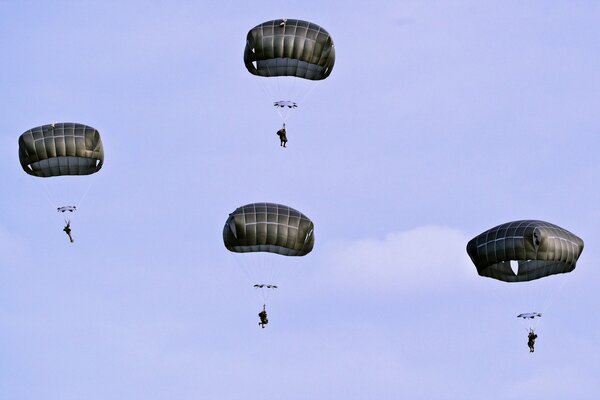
(424, 257)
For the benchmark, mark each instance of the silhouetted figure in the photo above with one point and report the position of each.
(263, 317)
(531, 340)
(67, 230)
(282, 136)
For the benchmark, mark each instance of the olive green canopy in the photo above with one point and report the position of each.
(268, 227)
(289, 47)
(540, 249)
(61, 149)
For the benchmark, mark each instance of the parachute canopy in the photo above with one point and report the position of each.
(289, 47)
(264, 285)
(268, 227)
(530, 315)
(540, 249)
(285, 103)
(61, 149)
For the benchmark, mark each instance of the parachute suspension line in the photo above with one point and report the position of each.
(291, 91)
(50, 197)
(253, 265)
(276, 84)
(312, 87)
(247, 266)
(286, 88)
(263, 87)
(530, 293)
(283, 118)
(244, 269)
(528, 327)
(536, 288)
(269, 94)
(55, 201)
(84, 194)
(263, 295)
(306, 94)
(259, 270)
(269, 269)
(552, 296)
(273, 273)
(278, 89)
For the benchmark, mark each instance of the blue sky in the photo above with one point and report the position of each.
(440, 120)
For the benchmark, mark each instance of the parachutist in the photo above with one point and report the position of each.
(263, 317)
(282, 136)
(531, 340)
(270, 228)
(67, 230)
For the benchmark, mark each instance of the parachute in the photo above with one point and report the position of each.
(264, 285)
(288, 51)
(284, 103)
(66, 208)
(525, 254)
(263, 232)
(530, 315)
(539, 248)
(289, 47)
(268, 227)
(64, 154)
(61, 149)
